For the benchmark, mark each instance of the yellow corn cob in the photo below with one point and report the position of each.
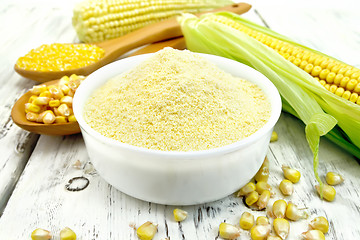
(99, 20)
(337, 77)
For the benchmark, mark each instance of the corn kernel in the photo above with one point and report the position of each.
(30, 107)
(179, 215)
(41, 101)
(291, 174)
(228, 231)
(67, 100)
(56, 93)
(45, 94)
(273, 238)
(286, 187)
(262, 186)
(32, 98)
(32, 117)
(274, 136)
(279, 208)
(294, 213)
(49, 117)
(246, 221)
(313, 235)
(64, 110)
(262, 220)
(67, 234)
(54, 103)
(40, 234)
(245, 190)
(260, 232)
(263, 199)
(281, 227)
(36, 90)
(263, 174)
(60, 119)
(328, 192)
(251, 198)
(72, 118)
(333, 178)
(147, 231)
(320, 223)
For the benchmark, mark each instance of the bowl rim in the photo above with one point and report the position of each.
(275, 101)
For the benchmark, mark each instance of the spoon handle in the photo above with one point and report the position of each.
(156, 32)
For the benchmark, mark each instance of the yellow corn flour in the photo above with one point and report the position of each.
(177, 101)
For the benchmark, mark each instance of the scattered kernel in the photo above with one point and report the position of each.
(228, 231)
(147, 231)
(333, 178)
(179, 215)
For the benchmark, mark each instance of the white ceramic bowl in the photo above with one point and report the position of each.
(176, 178)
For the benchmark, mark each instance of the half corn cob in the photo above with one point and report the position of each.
(99, 20)
(335, 76)
(303, 95)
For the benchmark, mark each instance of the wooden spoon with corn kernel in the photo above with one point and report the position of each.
(114, 48)
(19, 117)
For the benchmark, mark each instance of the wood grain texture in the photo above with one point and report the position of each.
(102, 212)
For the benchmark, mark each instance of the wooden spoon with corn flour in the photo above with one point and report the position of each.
(177, 101)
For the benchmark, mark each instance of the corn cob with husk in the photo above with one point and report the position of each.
(318, 89)
(99, 20)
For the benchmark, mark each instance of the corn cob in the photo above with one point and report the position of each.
(99, 20)
(337, 77)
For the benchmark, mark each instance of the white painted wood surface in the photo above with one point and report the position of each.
(45, 164)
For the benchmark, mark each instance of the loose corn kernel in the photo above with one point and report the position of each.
(64, 110)
(246, 221)
(260, 232)
(228, 231)
(179, 214)
(291, 174)
(320, 223)
(286, 187)
(263, 174)
(72, 118)
(32, 117)
(328, 192)
(41, 101)
(49, 117)
(281, 227)
(60, 119)
(67, 234)
(30, 107)
(294, 213)
(245, 190)
(262, 220)
(251, 198)
(147, 231)
(273, 238)
(65, 89)
(263, 199)
(60, 57)
(262, 186)
(333, 178)
(279, 208)
(313, 235)
(54, 103)
(40, 234)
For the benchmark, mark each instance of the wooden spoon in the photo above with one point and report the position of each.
(18, 110)
(116, 47)
(19, 118)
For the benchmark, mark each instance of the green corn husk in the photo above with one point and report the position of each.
(302, 95)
